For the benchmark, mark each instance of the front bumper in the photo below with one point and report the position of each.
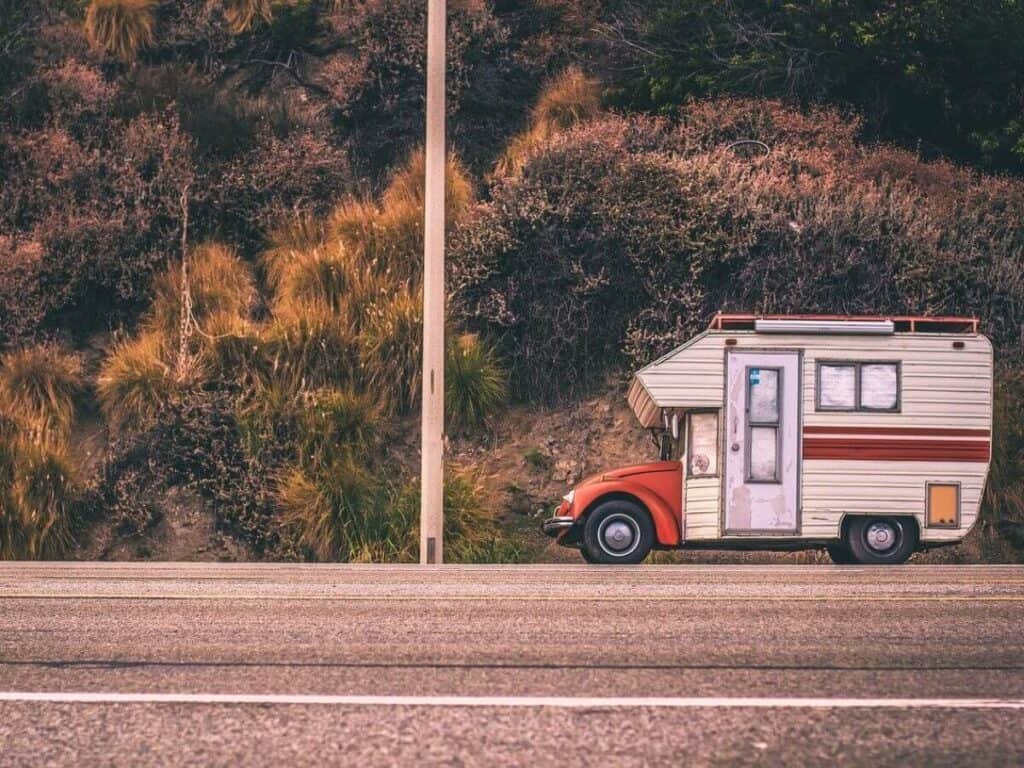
(556, 526)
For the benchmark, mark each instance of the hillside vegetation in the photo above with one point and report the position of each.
(210, 239)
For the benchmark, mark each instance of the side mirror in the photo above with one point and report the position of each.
(675, 426)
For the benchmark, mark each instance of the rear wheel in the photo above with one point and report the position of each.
(881, 540)
(617, 532)
(840, 554)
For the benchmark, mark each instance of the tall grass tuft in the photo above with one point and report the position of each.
(406, 189)
(389, 349)
(39, 389)
(310, 347)
(38, 506)
(471, 533)
(242, 15)
(334, 422)
(329, 275)
(120, 27)
(388, 238)
(353, 223)
(474, 381)
(135, 381)
(293, 235)
(220, 282)
(567, 100)
(233, 351)
(335, 513)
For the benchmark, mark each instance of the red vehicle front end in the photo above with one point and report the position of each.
(618, 516)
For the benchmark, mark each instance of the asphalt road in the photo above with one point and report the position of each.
(117, 664)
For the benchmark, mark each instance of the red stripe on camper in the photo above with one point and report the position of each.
(889, 449)
(899, 431)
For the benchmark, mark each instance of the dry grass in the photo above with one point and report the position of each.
(389, 349)
(334, 513)
(220, 283)
(407, 187)
(234, 351)
(388, 238)
(135, 381)
(242, 15)
(569, 99)
(293, 235)
(38, 497)
(331, 275)
(120, 27)
(310, 347)
(472, 534)
(40, 388)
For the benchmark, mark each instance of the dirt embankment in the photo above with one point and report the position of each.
(527, 460)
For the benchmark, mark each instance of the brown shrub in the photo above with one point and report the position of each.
(621, 238)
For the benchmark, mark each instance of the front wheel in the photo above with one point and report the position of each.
(617, 532)
(881, 540)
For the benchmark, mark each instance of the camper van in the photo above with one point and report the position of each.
(866, 436)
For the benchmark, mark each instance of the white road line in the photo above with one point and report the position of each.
(516, 598)
(559, 702)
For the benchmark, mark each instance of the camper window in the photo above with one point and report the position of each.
(702, 452)
(858, 386)
(763, 387)
(837, 387)
(879, 386)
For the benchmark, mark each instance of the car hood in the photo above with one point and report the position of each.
(620, 473)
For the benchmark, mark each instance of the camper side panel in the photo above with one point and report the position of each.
(857, 462)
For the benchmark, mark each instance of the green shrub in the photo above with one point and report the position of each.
(389, 349)
(940, 77)
(537, 459)
(475, 383)
(193, 441)
(120, 27)
(335, 422)
(40, 388)
(135, 381)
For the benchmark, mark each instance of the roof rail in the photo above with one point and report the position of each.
(723, 321)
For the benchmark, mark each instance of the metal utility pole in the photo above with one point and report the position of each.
(432, 441)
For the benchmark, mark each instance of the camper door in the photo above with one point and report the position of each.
(762, 433)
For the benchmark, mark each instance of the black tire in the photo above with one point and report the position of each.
(586, 555)
(840, 554)
(617, 532)
(881, 540)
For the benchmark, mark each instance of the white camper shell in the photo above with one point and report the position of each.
(792, 428)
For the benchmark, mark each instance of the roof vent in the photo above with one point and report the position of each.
(857, 327)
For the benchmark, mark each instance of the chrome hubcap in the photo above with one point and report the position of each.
(619, 535)
(880, 536)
